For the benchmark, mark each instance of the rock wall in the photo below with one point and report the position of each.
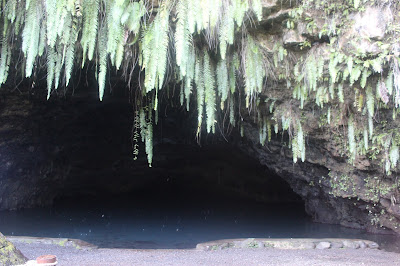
(359, 192)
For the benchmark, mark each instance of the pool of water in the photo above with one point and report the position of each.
(177, 221)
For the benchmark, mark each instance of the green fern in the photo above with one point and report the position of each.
(182, 36)
(253, 72)
(364, 77)
(51, 64)
(370, 101)
(30, 35)
(155, 42)
(102, 60)
(209, 91)
(52, 21)
(370, 126)
(5, 57)
(232, 120)
(222, 82)
(199, 80)
(351, 138)
(227, 30)
(240, 8)
(59, 63)
(90, 10)
(132, 16)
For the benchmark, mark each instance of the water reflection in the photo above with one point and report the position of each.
(181, 221)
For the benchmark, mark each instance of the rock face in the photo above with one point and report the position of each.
(359, 193)
(9, 255)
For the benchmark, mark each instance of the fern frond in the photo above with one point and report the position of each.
(240, 8)
(5, 57)
(52, 22)
(90, 11)
(51, 64)
(115, 33)
(232, 111)
(209, 83)
(227, 30)
(370, 101)
(58, 66)
(257, 8)
(351, 138)
(364, 77)
(199, 80)
(30, 35)
(155, 43)
(222, 81)
(102, 60)
(182, 35)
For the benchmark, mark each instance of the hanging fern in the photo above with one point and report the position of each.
(51, 64)
(155, 42)
(370, 102)
(30, 35)
(254, 73)
(5, 57)
(182, 36)
(227, 30)
(222, 82)
(351, 138)
(199, 79)
(102, 60)
(90, 12)
(209, 92)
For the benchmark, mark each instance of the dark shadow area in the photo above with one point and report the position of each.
(75, 161)
(179, 211)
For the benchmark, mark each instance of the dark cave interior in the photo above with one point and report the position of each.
(69, 161)
(89, 143)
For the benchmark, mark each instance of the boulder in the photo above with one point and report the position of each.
(323, 245)
(9, 255)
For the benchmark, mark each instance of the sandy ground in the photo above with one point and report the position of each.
(73, 256)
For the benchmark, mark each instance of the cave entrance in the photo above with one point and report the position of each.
(197, 194)
(192, 194)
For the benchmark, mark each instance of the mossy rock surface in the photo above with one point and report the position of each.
(9, 255)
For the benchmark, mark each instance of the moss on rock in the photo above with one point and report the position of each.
(9, 255)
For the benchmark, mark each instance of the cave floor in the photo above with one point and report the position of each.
(73, 256)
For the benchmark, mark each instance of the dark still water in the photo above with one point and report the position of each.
(167, 219)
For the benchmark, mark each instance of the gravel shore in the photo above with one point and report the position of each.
(74, 256)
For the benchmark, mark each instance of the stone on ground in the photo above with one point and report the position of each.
(9, 255)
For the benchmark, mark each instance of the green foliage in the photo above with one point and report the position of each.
(30, 34)
(90, 9)
(209, 92)
(209, 49)
(351, 138)
(222, 81)
(155, 41)
(5, 58)
(253, 71)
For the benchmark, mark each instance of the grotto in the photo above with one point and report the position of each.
(146, 104)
